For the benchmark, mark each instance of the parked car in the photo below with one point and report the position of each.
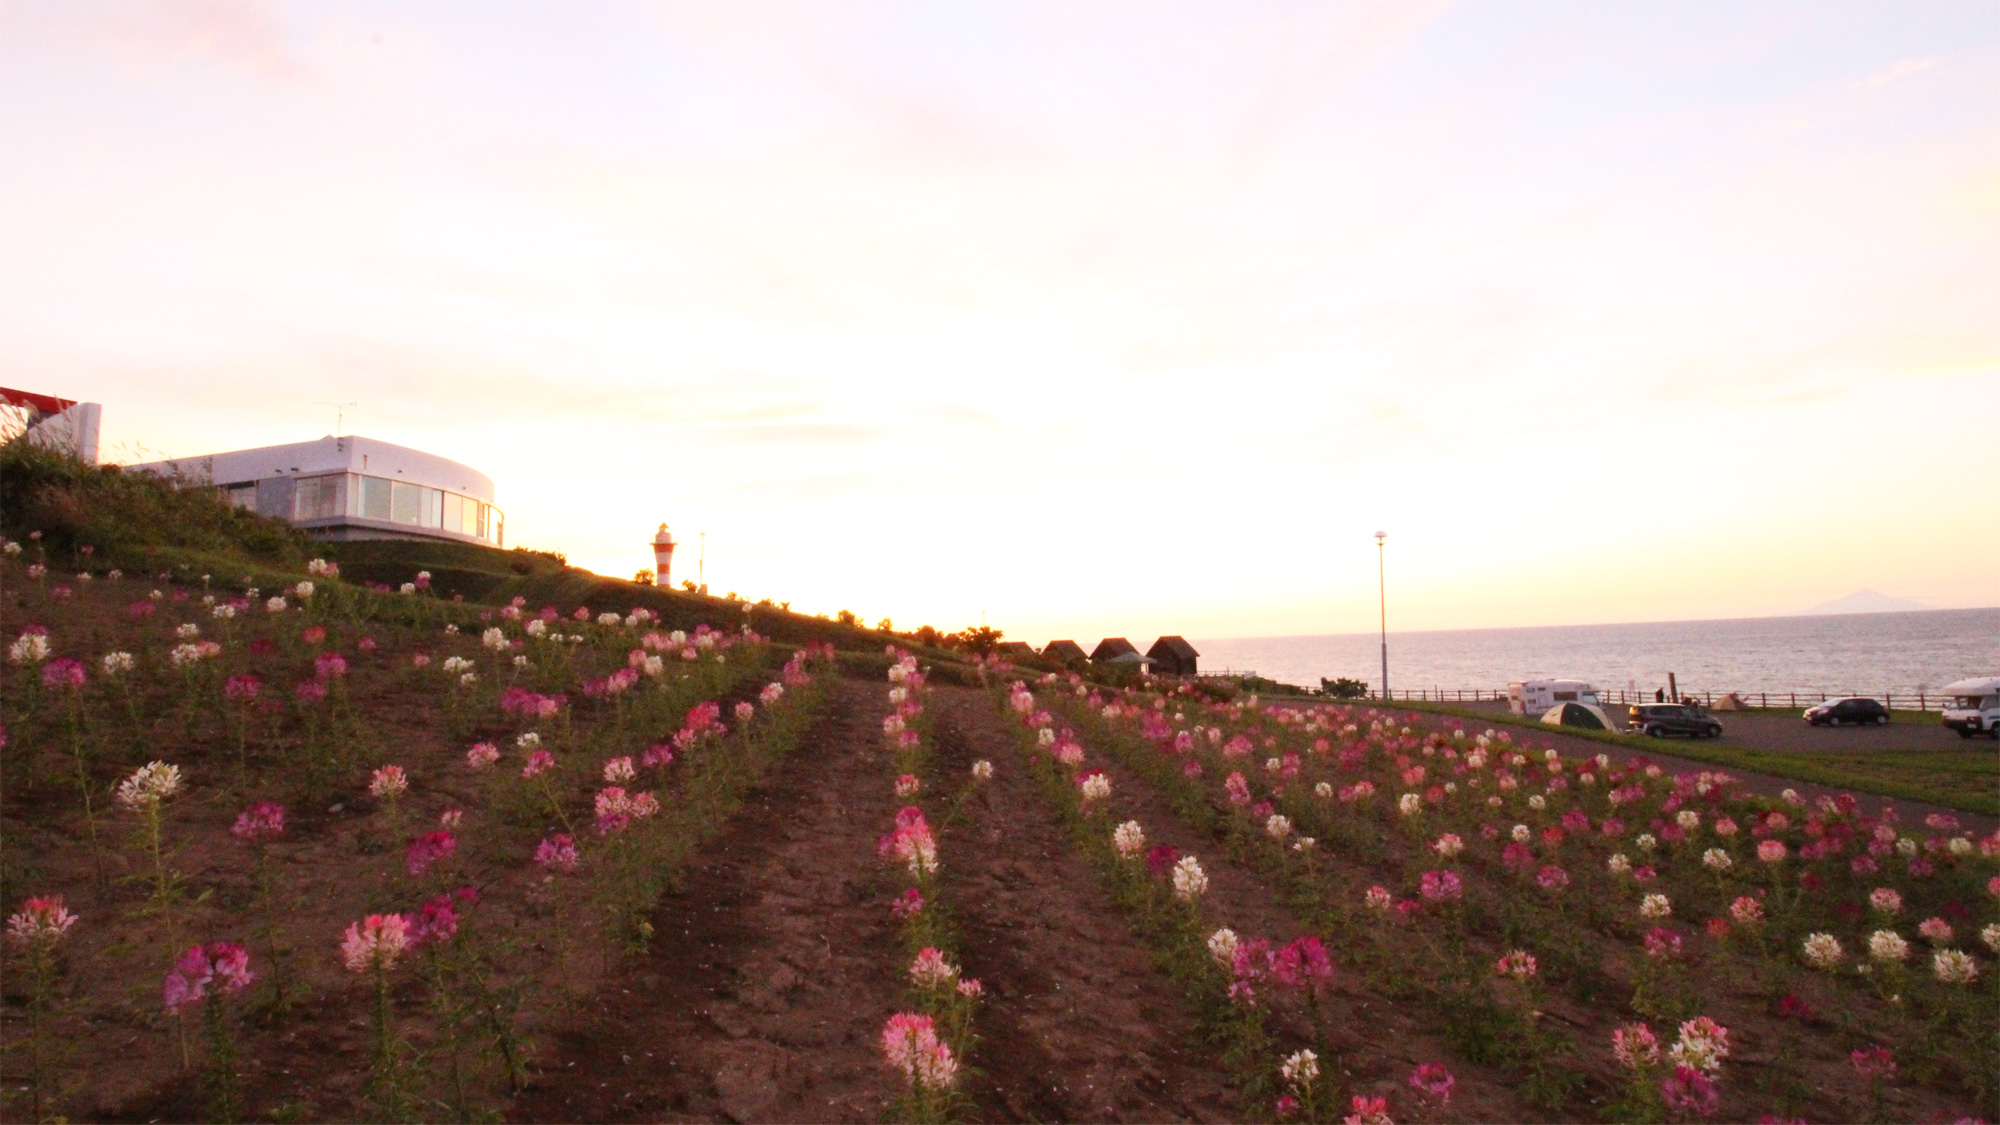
(1854, 710)
(1659, 720)
(1974, 706)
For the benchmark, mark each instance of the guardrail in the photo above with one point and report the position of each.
(1905, 701)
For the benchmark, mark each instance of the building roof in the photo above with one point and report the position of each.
(1111, 648)
(1174, 646)
(1017, 648)
(350, 454)
(1064, 650)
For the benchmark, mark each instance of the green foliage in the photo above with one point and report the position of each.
(1342, 688)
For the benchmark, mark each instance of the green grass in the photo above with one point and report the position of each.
(1965, 778)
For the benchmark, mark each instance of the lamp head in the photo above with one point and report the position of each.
(1380, 536)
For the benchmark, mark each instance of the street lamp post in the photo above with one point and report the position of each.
(1382, 583)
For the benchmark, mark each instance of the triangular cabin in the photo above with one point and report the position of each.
(1110, 649)
(1016, 650)
(1173, 656)
(1064, 652)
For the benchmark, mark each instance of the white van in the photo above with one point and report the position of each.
(1534, 697)
(1974, 706)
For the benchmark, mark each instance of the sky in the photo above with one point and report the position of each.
(1089, 318)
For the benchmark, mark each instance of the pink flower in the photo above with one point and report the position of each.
(909, 904)
(1635, 1046)
(907, 785)
(558, 852)
(911, 1045)
(40, 921)
(971, 989)
(241, 689)
(1771, 851)
(1552, 878)
(1433, 1084)
(539, 763)
(744, 712)
(1237, 789)
(482, 755)
(1368, 1111)
(931, 970)
(388, 783)
(1688, 1090)
(309, 692)
(1662, 943)
(375, 942)
(620, 769)
(327, 665)
(428, 849)
(1519, 964)
(264, 820)
(223, 964)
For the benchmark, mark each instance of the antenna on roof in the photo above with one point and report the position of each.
(339, 418)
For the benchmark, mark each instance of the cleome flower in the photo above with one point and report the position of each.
(388, 783)
(557, 852)
(1702, 1045)
(1190, 881)
(1655, 907)
(1822, 951)
(930, 970)
(148, 786)
(1888, 945)
(1951, 966)
(1129, 840)
(375, 942)
(221, 967)
(264, 820)
(1518, 963)
(911, 1045)
(1635, 1047)
(41, 922)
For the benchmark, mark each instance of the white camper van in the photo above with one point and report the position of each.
(1974, 706)
(1534, 697)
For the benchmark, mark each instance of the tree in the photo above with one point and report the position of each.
(643, 577)
(980, 639)
(847, 617)
(1342, 688)
(885, 626)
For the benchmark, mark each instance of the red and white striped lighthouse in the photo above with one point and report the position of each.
(663, 557)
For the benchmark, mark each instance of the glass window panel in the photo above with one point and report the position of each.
(406, 502)
(471, 518)
(454, 511)
(374, 498)
(316, 498)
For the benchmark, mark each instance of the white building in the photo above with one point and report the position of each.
(345, 488)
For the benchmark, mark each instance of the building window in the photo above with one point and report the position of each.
(241, 495)
(316, 498)
(454, 511)
(374, 499)
(406, 502)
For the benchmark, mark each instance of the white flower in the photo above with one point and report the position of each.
(1222, 946)
(1821, 951)
(1128, 839)
(468, 679)
(456, 664)
(1906, 847)
(520, 662)
(117, 663)
(493, 638)
(1954, 967)
(304, 590)
(1537, 802)
(1409, 804)
(1646, 842)
(529, 741)
(1301, 1069)
(1715, 859)
(1190, 881)
(1888, 945)
(982, 769)
(149, 785)
(1655, 907)
(451, 630)
(1688, 819)
(187, 631)
(28, 648)
(1521, 833)
(1277, 826)
(1323, 790)
(223, 612)
(535, 627)
(1989, 935)
(1096, 787)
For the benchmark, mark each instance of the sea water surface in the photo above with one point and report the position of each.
(1860, 653)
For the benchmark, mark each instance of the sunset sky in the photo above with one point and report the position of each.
(1097, 318)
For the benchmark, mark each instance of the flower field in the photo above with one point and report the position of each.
(321, 851)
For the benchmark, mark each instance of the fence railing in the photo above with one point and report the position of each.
(1903, 701)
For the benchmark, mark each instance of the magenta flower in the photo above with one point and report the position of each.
(327, 665)
(309, 692)
(63, 673)
(375, 942)
(539, 762)
(1552, 878)
(909, 904)
(1161, 858)
(557, 852)
(242, 688)
(1433, 1083)
(428, 849)
(1877, 1064)
(482, 755)
(264, 820)
(437, 921)
(1662, 943)
(224, 965)
(1441, 886)
(1688, 1090)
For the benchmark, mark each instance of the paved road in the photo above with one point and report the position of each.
(1764, 731)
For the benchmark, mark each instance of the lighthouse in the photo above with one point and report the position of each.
(663, 557)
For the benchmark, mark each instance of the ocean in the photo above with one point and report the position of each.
(1862, 653)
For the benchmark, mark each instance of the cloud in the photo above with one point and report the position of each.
(1900, 69)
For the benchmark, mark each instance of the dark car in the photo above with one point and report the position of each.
(1662, 719)
(1856, 710)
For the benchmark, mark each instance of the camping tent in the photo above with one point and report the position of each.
(1581, 715)
(1729, 702)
